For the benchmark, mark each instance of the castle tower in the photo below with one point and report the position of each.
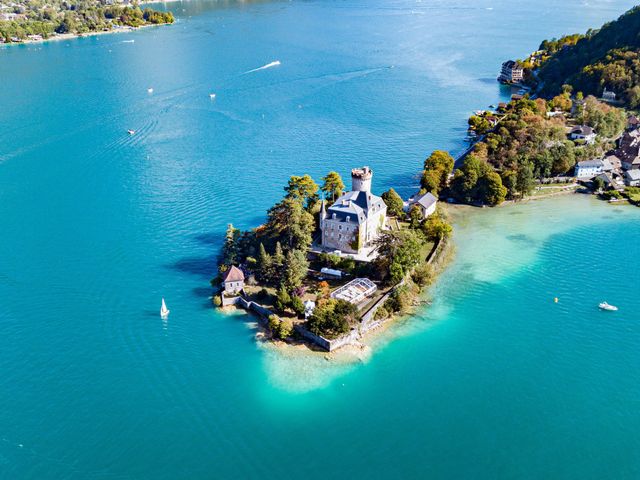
(361, 179)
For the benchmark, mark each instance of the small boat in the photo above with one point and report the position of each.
(212, 96)
(131, 132)
(149, 90)
(164, 311)
(606, 306)
(479, 113)
(492, 106)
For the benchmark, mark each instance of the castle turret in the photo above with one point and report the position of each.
(361, 179)
(323, 213)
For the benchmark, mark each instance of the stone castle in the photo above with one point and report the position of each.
(356, 218)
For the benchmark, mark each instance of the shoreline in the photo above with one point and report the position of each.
(73, 36)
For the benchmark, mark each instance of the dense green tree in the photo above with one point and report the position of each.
(230, 248)
(479, 124)
(394, 202)
(303, 189)
(436, 227)
(524, 179)
(398, 252)
(264, 265)
(295, 269)
(289, 223)
(333, 185)
(332, 318)
(437, 168)
(491, 190)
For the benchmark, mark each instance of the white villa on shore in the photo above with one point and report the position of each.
(355, 219)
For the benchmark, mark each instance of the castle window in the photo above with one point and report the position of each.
(340, 227)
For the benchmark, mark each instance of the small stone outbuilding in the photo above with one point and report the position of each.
(233, 281)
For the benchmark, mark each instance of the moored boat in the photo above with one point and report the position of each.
(606, 306)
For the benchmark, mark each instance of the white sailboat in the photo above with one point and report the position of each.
(164, 311)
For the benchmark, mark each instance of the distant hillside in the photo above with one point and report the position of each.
(606, 58)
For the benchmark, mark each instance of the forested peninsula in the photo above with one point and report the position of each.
(573, 113)
(36, 20)
(607, 58)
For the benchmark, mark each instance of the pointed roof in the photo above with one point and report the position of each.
(234, 274)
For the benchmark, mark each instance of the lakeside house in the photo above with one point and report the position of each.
(427, 203)
(608, 95)
(584, 133)
(511, 72)
(628, 150)
(354, 222)
(588, 168)
(633, 122)
(632, 178)
(233, 281)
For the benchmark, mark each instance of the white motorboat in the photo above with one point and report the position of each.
(164, 311)
(131, 132)
(212, 96)
(606, 306)
(149, 90)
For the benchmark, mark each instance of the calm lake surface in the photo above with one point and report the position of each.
(493, 381)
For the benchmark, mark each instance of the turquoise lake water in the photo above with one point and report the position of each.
(493, 381)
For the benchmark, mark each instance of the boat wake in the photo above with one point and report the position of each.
(264, 67)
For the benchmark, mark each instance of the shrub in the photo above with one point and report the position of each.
(381, 313)
(297, 305)
(283, 300)
(286, 328)
(323, 290)
(423, 275)
(274, 325)
(217, 301)
(399, 301)
(332, 318)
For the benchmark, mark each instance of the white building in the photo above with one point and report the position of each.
(427, 203)
(355, 220)
(608, 95)
(588, 168)
(511, 72)
(233, 281)
(583, 132)
(632, 178)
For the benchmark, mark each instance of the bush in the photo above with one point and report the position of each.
(297, 305)
(263, 294)
(323, 289)
(423, 275)
(280, 328)
(217, 301)
(283, 300)
(381, 313)
(286, 328)
(399, 301)
(332, 317)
